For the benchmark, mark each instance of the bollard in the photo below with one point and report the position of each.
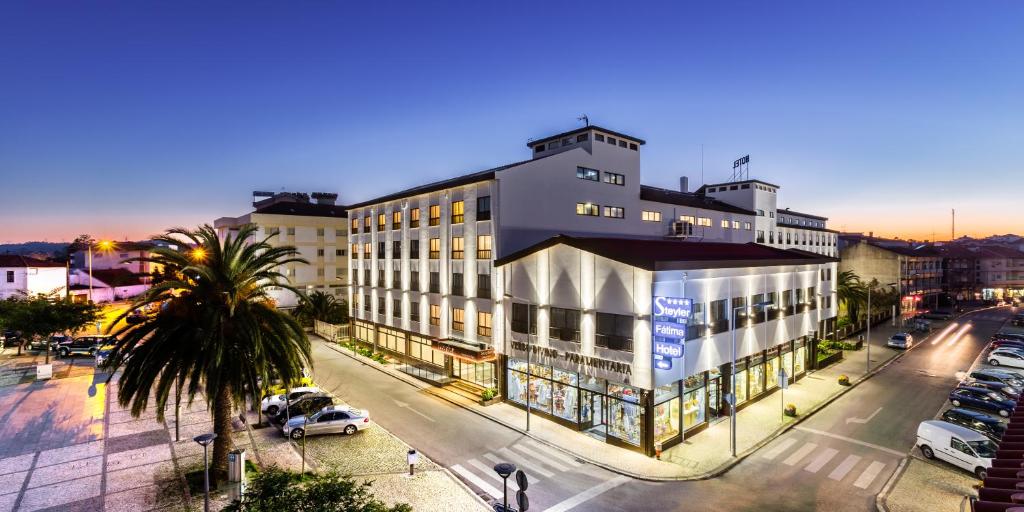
(412, 457)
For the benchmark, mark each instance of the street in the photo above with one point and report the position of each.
(837, 460)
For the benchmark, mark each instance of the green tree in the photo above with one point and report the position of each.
(321, 306)
(44, 315)
(217, 332)
(274, 490)
(851, 292)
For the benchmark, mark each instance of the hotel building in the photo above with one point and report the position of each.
(430, 268)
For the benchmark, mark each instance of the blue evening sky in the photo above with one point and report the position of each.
(122, 119)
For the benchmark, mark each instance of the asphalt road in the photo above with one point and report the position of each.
(837, 460)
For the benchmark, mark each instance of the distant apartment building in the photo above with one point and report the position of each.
(430, 268)
(24, 276)
(314, 225)
(914, 267)
(983, 272)
(114, 257)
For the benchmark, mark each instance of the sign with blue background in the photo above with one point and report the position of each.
(671, 315)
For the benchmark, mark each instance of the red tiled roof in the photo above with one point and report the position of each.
(116, 277)
(17, 260)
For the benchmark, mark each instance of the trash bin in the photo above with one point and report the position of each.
(236, 465)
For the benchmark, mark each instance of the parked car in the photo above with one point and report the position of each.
(54, 342)
(1017, 344)
(1018, 321)
(334, 419)
(103, 355)
(900, 340)
(84, 345)
(976, 421)
(1009, 336)
(959, 446)
(306, 404)
(276, 387)
(134, 318)
(996, 375)
(1006, 357)
(273, 404)
(983, 400)
(1006, 390)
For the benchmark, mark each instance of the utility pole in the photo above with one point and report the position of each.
(952, 232)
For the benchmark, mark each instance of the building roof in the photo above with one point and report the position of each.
(116, 277)
(705, 186)
(809, 216)
(581, 129)
(304, 209)
(901, 247)
(664, 195)
(19, 261)
(671, 254)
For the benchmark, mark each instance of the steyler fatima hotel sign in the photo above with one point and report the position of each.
(670, 316)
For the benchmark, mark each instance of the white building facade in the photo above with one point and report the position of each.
(24, 276)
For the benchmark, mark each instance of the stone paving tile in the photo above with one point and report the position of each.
(138, 457)
(11, 482)
(7, 502)
(72, 470)
(135, 500)
(18, 463)
(927, 487)
(428, 490)
(138, 440)
(133, 427)
(140, 476)
(60, 494)
(370, 451)
(69, 453)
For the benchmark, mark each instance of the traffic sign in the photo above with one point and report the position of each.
(783, 379)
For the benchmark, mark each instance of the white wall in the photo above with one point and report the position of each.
(32, 281)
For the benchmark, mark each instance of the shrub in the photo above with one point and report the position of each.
(275, 489)
(489, 394)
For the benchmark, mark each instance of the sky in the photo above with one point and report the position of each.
(124, 119)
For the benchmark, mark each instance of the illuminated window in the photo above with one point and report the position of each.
(435, 314)
(414, 218)
(366, 250)
(746, 226)
(651, 216)
(458, 319)
(435, 248)
(725, 224)
(483, 323)
(588, 209)
(396, 220)
(614, 212)
(458, 212)
(735, 224)
(366, 223)
(355, 250)
(458, 247)
(483, 247)
(614, 178)
(381, 221)
(704, 221)
(435, 215)
(355, 225)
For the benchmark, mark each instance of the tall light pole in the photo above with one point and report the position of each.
(529, 351)
(868, 354)
(732, 376)
(103, 245)
(204, 440)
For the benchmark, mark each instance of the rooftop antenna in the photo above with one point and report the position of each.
(585, 119)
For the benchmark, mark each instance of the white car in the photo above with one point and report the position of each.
(273, 404)
(900, 340)
(333, 419)
(1006, 357)
(956, 445)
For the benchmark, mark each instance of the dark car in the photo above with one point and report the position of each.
(307, 404)
(994, 375)
(84, 345)
(1018, 321)
(983, 400)
(54, 342)
(1017, 344)
(134, 318)
(1007, 336)
(1008, 391)
(975, 421)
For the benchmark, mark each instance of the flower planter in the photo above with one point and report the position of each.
(492, 401)
(790, 410)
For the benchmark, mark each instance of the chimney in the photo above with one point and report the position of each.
(684, 184)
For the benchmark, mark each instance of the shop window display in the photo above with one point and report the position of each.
(741, 387)
(798, 361)
(565, 399)
(772, 372)
(787, 363)
(756, 376)
(666, 420)
(693, 401)
(624, 413)
(516, 387)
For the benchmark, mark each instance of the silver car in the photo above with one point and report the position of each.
(900, 340)
(333, 419)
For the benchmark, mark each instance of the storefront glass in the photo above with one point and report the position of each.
(516, 391)
(540, 394)
(666, 420)
(481, 374)
(565, 397)
(798, 361)
(772, 372)
(714, 393)
(787, 363)
(755, 375)
(741, 387)
(693, 407)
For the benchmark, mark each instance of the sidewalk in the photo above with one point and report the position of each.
(15, 369)
(707, 454)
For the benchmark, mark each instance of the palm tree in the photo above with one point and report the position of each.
(852, 293)
(322, 306)
(217, 331)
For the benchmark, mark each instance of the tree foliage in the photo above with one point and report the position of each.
(44, 315)
(275, 490)
(322, 306)
(216, 331)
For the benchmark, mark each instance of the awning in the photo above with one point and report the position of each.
(464, 350)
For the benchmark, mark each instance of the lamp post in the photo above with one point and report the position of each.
(868, 354)
(103, 245)
(732, 375)
(204, 440)
(505, 470)
(529, 351)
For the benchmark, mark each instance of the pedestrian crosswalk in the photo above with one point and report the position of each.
(812, 458)
(538, 462)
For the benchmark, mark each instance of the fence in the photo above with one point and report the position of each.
(330, 331)
(847, 330)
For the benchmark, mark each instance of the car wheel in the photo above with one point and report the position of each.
(1004, 413)
(993, 362)
(927, 452)
(956, 403)
(273, 410)
(92, 352)
(297, 434)
(351, 429)
(64, 352)
(980, 472)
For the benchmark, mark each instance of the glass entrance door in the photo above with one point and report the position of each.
(592, 412)
(714, 402)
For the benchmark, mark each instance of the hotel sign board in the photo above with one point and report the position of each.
(670, 316)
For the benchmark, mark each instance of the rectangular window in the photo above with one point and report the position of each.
(396, 278)
(366, 302)
(612, 141)
(483, 323)
(584, 173)
(622, 143)
(381, 221)
(414, 249)
(355, 225)
(614, 332)
(458, 212)
(581, 137)
(380, 278)
(483, 208)
(435, 314)
(458, 247)
(355, 250)
(435, 282)
(339, 252)
(588, 209)
(435, 248)
(524, 315)
(614, 212)
(735, 224)
(380, 250)
(319, 252)
(366, 277)
(457, 284)
(746, 226)
(396, 308)
(647, 216)
(396, 220)
(435, 215)
(614, 178)
(414, 311)
(483, 247)
(565, 324)
(704, 221)
(291, 231)
(458, 319)
(598, 137)
(319, 231)
(339, 232)
(396, 249)
(812, 299)
(718, 318)
(380, 305)
(366, 223)
(414, 218)
(760, 236)
(742, 315)
(483, 286)
(725, 224)
(414, 280)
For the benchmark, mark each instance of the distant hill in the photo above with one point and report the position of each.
(34, 248)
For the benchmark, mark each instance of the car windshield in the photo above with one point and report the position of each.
(985, 449)
(899, 337)
(995, 396)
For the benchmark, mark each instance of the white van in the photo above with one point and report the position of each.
(956, 445)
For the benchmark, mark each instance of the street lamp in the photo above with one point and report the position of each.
(868, 354)
(204, 440)
(529, 350)
(198, 254)
(505, 470)
(732, 372)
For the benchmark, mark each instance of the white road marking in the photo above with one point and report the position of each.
(820, 461)
(844, 467)
(863, 420)
(869, 474)
(490, 472)
(495, 459)
(850, 440)
(414, 411)
(477, 481)
(799, 454)
(588, 494)
(518, 460)
(540, 456)
(551, 452)
(779, 448)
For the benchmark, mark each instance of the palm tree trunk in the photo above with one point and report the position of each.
(222, 409)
